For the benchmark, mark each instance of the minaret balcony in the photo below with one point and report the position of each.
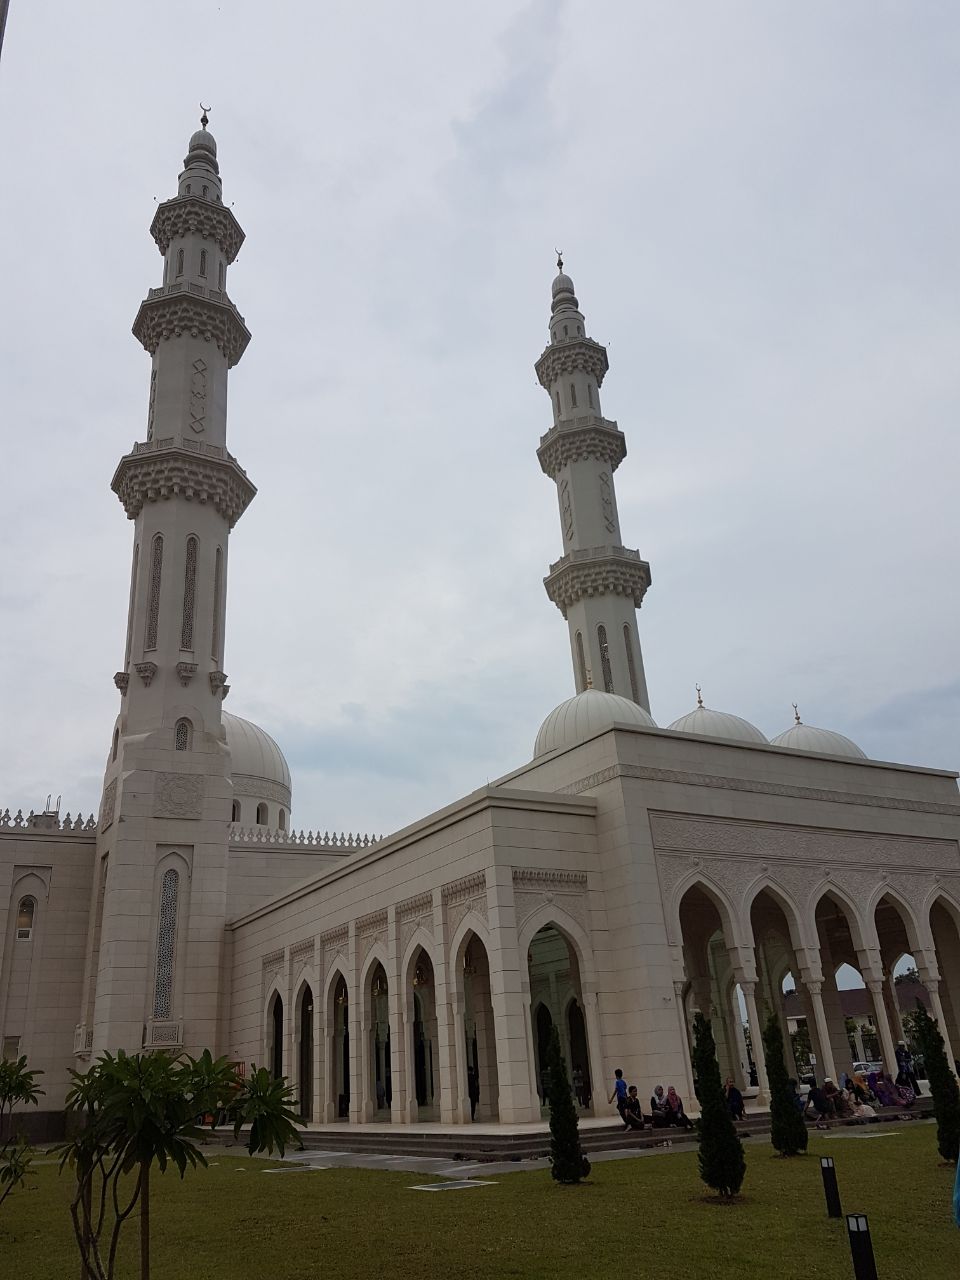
(597, 571)
(570, 355)
(190, 469)
(189, 308)
(581, 439)
(185, 214)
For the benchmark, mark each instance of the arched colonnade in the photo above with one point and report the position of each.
(442, 1034)
(734, 955)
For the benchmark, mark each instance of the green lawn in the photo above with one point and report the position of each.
(635, 1218)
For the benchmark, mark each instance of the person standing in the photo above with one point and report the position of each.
(905, 1072)
(619, 1095)
(734, 1099)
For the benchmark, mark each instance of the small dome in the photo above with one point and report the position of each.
(717, 724)
(822, 742)
(203, 140)
(588, 713)
(257, 758)
(562, 284)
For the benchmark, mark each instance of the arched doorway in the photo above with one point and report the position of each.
(426, 1084)
(276, 1037)
(854, 1036)
(707, 960)
(305, 1054)
(482, 1082)
(556, 999)
(339, 1083)
(381, 1079)
(774, 933)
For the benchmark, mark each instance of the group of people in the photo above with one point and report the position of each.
(857, 1096)
(666, 1108)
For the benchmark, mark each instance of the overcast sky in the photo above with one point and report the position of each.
(758, 203)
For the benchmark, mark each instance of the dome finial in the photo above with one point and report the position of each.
(559, 253)
(796, 713)
(699, 697)
(204, 119)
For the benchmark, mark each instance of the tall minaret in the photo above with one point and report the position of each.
(598, 583)
(154, 955)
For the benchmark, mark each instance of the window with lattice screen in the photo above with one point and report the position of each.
(166, 943)
(605, 658)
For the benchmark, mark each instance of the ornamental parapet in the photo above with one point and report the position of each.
(176, 309)
(185, 214)
(569, 355)
(597, 571)
(581, 439)
(301, 839)
(182, 468)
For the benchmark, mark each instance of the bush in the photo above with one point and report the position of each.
(942, 1081)
(788, 1133)
(17, 1086)
(568, 1163)
(722, 1164)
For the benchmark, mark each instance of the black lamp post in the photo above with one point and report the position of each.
(831, 1190)
(861, 1247)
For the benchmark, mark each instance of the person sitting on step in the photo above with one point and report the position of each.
(632, 1115)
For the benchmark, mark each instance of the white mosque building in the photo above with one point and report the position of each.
(623, 878)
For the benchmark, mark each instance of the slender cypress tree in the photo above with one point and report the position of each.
(942, 1081)
(788, 1133)
(722, 1164)
(568, 1163)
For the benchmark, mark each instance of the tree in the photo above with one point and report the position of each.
(722, 1164)
(17, 1087)
(788, 1133)
(801, 1047)
(140, 1110)
(943, 1083)
(568, 1163)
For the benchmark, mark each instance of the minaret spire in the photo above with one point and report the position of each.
(598, 583)
(167, 788)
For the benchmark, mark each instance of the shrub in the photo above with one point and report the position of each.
(568, 1163)
(788, 1133)
(722, 1164)
(942, 1081)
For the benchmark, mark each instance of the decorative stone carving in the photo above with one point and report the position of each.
(171, 311)
(333, 948)
(413, 914)
(167, 469)
(263, 789)
(217, 681)
(272, 968)
(301, 955)
(176, 218)
(146, 671)
(463, 896)
(107, 804)
(198, 396)
(122, 681)
(159, 1034)
(179, 795)
(185, 672)
(371, 930)
(597, 571)
(578, 441)
(570, 355)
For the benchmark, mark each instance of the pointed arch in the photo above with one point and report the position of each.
(573, 933)
(911, 924)
(697, 878)
(422, 940)
(376, 955)
(860, 935)
(471, 923)
(792, 911)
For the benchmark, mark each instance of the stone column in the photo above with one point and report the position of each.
(678, 987)
(508, 970)
(936, 1008)
(749, 990)
(828, 1066)
(875, 986)
(460, 1112)
(406, 1109)
(449, 1025)
(893, 1007)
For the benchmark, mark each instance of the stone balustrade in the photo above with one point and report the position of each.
(300, 839)
(46, 822)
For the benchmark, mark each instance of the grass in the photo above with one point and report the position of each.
(635, 1218)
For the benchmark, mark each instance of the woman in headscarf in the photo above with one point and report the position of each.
(673, 1105)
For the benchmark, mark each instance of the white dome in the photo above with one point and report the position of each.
(717, 724)
(256, 756)
(822, 742)
(588, 713)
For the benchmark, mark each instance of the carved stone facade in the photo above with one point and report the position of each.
(597, 571)
(570, 356)
(579, 440)
(192, 214)
(201, 313)
(170, 470)
(179, 795)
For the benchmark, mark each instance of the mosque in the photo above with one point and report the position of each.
(623, 878)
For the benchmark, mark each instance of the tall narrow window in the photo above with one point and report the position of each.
(282, 820)
(25, 914)
(116, 744)
(189, 593)
(203, 258)
(220, 276)
(205, 190)
(276, 1047)
(559, 410)
(573, 394)
(235, 811)
(217, 585)
(153, 603)
(179, 262)
(590, 393)
(631, 665)
(166, 943)
(605, 658)
(261, 815)
(183, 735)
(133, 602)
(581, 665)
(566, 331)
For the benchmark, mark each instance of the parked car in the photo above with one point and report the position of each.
(867, 1067)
